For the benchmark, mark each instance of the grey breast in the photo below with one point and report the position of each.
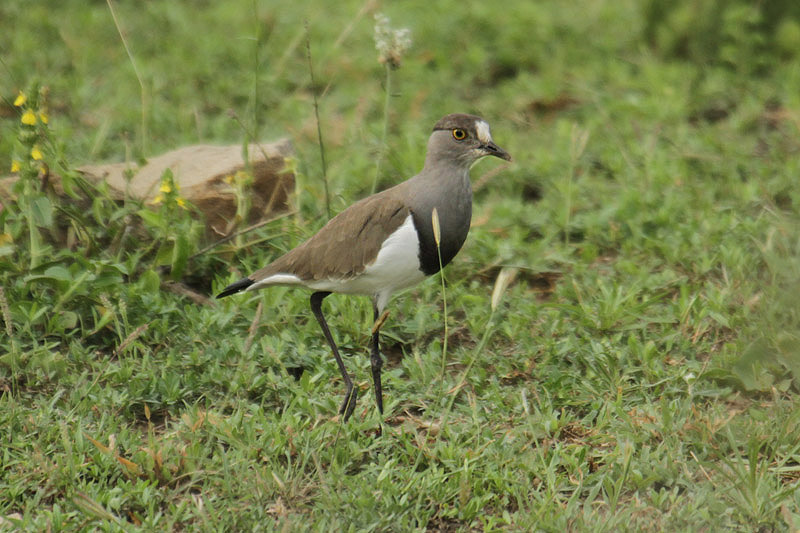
(451, 195)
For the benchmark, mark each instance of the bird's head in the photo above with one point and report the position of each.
(462, 139)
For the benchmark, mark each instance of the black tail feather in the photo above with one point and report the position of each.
(233, 288)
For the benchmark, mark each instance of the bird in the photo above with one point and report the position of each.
(388, 241)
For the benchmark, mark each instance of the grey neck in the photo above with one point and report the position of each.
(445, 186)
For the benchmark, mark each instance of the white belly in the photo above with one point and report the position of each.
(396, 267)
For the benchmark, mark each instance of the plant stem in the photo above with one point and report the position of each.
(143, 90)
(446, 329)
(319, 127)
(437, 238)
(34, 238)
(256, 70)
(568, 202)
(487, 333)
(578, 140)
(382, 149)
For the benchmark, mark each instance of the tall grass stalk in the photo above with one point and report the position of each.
(504, 278)
(437, 236)
(319, 126)
(391, 44)
(143, 94)
(256, 70)
(386, 106)
(578, 139)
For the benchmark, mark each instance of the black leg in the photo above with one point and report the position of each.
(351, 394)
(376, 361)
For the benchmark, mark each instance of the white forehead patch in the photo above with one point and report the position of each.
(482, 129)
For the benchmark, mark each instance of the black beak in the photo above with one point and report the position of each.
(491, 148)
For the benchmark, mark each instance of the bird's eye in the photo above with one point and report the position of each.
(459, 134)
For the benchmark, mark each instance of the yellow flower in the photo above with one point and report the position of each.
(43, 117)
(228, 179)
(181, 202)
(6, 238)
(14, 166)
(21, 99)
(157, 200)
(242, 178)
(29, 118)
(36, 154)
(166, 188)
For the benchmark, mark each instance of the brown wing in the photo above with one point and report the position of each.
(347, 244)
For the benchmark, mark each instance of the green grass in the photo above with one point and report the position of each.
(639, 373)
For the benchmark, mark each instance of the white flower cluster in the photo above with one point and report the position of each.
(390, 43)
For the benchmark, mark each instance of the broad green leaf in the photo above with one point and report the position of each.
(66, 320)
(151, 218)
(150, 281)
(42, 212)
(58, 272)
(164, 253)
(180, 255)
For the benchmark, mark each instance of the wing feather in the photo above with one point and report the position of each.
(348, 243)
